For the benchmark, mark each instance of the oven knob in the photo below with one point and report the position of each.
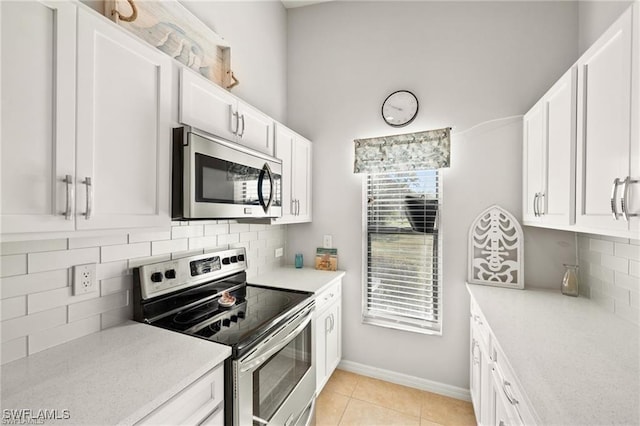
(156, 277)
(170, 274)
(234, 318)
(241, 258)
(241, 314)
(225, 261)
(234, 259)
(226, 322)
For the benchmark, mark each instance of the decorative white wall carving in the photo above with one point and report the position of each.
(496, 249)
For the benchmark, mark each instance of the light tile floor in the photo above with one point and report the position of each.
(352, 399)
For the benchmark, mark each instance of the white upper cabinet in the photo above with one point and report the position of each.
(124, 128)
(38, 115)
(604, 128)
(94, 142)
(581, 169)
(549, 160)
(295, 153)
(208, 107)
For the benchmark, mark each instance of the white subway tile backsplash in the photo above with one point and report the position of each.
(610, 273)
(14, 307)
(203, 242)
(619, 264)
(634, 268)
(627, 251)
(149, 236)
(187, 231)
(125, 251)
(23, 247)
(107, 240)
(23, 326)
(112, 269)
(37, 302)
(601, 246)
(52, 260)
(46, 339)
(92, 307)
(14, 349)
(169, 246)
(33, 283)
(13, 265)
(117, 284)
(217, 229)
(39, 310)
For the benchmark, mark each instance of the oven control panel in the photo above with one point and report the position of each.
(161, 278)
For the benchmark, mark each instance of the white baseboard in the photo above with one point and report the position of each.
(406, 380)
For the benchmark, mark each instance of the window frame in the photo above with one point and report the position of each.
(387, 323)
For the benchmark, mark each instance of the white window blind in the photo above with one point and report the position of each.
(402, 285)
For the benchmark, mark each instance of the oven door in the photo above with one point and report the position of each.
(275, 384)
(223, 181)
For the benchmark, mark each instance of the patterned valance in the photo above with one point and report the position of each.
(412, 151)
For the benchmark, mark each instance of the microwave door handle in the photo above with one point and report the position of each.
(265, 170)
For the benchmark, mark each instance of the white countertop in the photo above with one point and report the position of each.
(116, 376)
(303, 279)
(577, 363)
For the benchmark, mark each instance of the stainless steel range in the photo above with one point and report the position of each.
(270, 376)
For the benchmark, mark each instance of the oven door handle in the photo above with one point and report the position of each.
(254, 361)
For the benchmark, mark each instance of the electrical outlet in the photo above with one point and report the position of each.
(279, 252)
(84, 279)
(327, 241)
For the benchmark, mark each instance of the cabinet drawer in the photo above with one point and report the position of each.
(327, 296)
(480, 325)
(507, 385)
(202, 401)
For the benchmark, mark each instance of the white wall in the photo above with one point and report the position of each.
(467, 63)
(595, 17)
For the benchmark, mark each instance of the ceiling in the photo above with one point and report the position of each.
(299, 3)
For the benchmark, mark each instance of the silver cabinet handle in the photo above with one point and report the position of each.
(540, 199)
(297, 207)
(68, 180)
(625, 198)
(234, 114)
(87, 181)
(614, 196)
(327, 325)
(535, 205)
(242, 132)
(508, 394)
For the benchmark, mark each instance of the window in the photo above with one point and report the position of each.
(402, 276)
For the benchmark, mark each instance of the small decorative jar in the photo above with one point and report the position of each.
(570, 281)
(298, 260)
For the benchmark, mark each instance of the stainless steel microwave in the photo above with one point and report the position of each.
(217, 179)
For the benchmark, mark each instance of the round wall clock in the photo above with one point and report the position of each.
(400, 108)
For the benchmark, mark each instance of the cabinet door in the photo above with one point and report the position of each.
(604, 114)
(558, 199)
(475, 373)
(284, 150)
(38, 115)
(124, 128)
(333, 346)
(322, 325)
(207, 106)
(533, 161)
(302, 178)
(256, 129)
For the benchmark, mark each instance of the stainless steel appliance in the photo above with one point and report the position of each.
(217, 179)
(270, 376)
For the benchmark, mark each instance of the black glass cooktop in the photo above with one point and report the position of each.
(256, 311)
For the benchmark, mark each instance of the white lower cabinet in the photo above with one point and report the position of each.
(497, 398)
(328, 332)
(201, 403)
